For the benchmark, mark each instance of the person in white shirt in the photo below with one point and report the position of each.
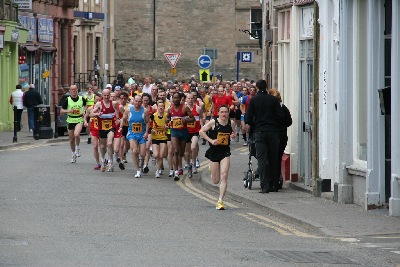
(147, 85)
(17, 99)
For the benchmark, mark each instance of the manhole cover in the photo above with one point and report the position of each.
(309, 257)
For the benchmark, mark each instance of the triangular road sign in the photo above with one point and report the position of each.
(172, 58)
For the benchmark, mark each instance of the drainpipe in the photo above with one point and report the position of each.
(315, 124)
(264, 48)
(154, 29)
(105, 29)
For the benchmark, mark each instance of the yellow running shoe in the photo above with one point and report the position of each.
(220, 205)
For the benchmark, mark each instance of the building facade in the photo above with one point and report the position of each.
(187, 27)
(11, 34)
(89, 43)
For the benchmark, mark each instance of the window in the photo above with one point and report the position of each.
(255, 21)
(97, 2)
(284, 25)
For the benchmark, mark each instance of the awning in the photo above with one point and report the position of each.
(48, 48)
(30, 47)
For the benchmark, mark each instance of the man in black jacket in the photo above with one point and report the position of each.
(31, 99)
(265, 115)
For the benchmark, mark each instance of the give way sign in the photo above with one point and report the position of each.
(172, 58)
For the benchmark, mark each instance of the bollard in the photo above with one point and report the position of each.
(15, 139)
(36, 129)
(56, 121)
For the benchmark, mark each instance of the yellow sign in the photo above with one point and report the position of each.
(46, 74)
(173, 71)
(204, 75)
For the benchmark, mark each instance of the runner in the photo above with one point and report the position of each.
(138, 119)
(105, 110)
(90, 99)
(149, 108)
(179, 115)
(219, 133)
(220, 99)
(159, 135)
(207, 106)
(119, 136)
(235, 101)
(94, 130)
(74, 106)
(192, 145)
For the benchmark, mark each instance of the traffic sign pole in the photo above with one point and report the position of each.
(237, 65)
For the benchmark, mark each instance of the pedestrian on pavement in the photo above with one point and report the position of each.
(283, 137)
(75, 106)
(265, 116)
(17, 99)
(32, 98)
(218, 133)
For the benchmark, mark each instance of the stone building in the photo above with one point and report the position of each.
(89, 42)
(145, 30)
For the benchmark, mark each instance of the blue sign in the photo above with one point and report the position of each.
(45, 30)
(204, 61)
(247, 57)
(30, 24)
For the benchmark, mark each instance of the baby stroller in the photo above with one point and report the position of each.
(250, 175)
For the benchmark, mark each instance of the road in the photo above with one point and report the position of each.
(54, 213)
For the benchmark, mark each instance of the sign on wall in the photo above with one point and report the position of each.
(24, 4)
(30, 24)
(45, 30)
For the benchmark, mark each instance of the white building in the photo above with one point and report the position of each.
(359, 53)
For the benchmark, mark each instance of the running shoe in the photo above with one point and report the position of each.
(103, 168)
(121, 166)
(118, 160)
(138, 174)
(190, 174)
(176, 176)
(160, 172)
(73, 159)
(89, 141)
(157, 174)
(180, 172)
(110, 168)
(78, 152)
(245, 143)
(220, 205)
(97, 167)
(197, 163)
(186, 165)
(125, 161)
(145, 169)
(171, 173)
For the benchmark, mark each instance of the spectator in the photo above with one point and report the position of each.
(131, 80)
(17, 99)
(31, 99)
(120, 79)
(265, 116)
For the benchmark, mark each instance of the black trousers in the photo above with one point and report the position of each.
(18, 119)
(267, 151)
(283, 139)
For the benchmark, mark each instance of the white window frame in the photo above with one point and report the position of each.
(253, 22)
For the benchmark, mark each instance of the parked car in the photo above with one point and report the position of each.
(62, 118)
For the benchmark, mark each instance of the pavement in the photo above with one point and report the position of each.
(295, 203)
(320, 215)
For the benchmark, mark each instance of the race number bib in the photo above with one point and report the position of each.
(76, 111)
(177, 123)
(106, 124)
(95, 123)
(159, 132)
(223, 139)
(191, 124)
(137, 128)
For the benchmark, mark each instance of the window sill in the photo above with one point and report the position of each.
(357, 170)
